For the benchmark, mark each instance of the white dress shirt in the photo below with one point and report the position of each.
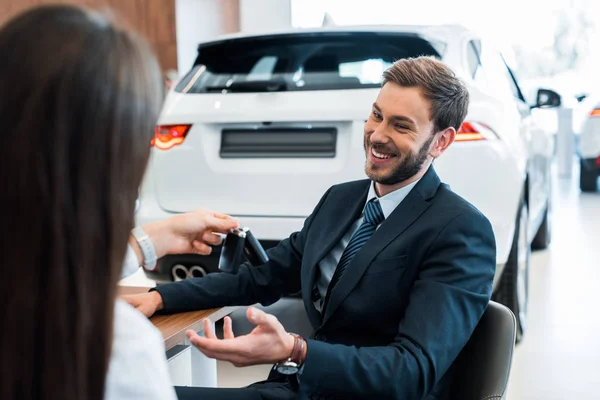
(138, 365)
(327, 266)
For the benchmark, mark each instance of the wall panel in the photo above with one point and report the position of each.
(154, 19)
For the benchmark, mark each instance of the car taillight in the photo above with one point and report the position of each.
(595, 112)
(470, 131)
(167, 136)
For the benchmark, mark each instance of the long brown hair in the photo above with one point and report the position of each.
(79, 98)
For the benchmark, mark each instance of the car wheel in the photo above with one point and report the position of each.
(513, 289)
(543, 236)
(588, 179)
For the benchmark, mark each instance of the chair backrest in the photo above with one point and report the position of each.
(483, 366)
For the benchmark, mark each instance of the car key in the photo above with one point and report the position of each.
(240, 245)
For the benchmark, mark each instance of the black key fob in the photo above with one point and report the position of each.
(232, 253)
(239, 246)
(253, 250)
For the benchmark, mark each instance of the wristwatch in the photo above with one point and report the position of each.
(147, 248)
(294, 362)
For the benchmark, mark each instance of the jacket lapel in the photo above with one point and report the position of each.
(341, 214)
(401, 218)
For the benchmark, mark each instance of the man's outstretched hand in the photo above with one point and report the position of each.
(268, 343)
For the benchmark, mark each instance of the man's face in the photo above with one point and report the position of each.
(398, 134)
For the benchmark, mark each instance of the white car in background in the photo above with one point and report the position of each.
(263, 125)
(589, 149)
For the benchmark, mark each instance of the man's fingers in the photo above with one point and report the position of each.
(205, 345)
(213, 346)
(259, 317)
(126, 299)
(191, 335)
(227, 329)
(237, 345)
(208, 331)
(131, 299)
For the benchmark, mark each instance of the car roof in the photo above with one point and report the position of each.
(446, 33)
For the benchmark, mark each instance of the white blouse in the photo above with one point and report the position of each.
(138, 365)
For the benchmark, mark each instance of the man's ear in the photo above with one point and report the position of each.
(443, 140)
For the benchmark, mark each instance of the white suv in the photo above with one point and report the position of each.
(589, 148)
(263, 125)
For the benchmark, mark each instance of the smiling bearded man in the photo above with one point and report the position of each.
(395, 271)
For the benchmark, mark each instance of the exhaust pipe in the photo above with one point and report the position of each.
(197, 271)
(180, 272)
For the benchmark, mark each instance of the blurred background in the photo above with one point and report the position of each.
(550, 43)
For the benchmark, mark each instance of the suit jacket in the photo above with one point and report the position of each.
(403, 309)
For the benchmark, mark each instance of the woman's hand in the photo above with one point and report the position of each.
(191, 232)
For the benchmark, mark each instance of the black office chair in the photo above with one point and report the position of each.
(483, 366)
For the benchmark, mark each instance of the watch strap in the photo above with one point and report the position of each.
(147, 248)
(296, 359)
(297, 355)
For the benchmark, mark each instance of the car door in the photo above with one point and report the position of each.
(536, 142)
(540, 150)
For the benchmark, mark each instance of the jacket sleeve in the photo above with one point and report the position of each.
(446, 302)
(265, 284)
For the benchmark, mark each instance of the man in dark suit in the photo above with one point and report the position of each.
(394, 271)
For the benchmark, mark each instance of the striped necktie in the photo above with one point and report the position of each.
(372, 216)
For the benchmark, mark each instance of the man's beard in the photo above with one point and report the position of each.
(406, 169)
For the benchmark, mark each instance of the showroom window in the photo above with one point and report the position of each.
(296, 62)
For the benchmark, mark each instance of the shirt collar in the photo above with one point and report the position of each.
(390, 201)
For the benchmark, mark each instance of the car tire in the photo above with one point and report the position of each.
(588, 179)
(543, 236)
(513, 288)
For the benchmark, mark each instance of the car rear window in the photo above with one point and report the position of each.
(296, 62)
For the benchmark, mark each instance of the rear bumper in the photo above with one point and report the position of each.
(269, 231)
(208, 264)
(263, 227)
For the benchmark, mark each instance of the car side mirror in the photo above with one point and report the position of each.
(547, 98)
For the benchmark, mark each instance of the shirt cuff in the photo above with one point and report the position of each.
(130, 264)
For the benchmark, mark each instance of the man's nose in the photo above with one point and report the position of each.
(379, 134)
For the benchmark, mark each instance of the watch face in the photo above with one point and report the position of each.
(287, 368)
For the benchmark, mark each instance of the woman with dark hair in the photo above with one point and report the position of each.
(79, 99)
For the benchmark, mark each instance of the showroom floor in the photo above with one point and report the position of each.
(559, 358)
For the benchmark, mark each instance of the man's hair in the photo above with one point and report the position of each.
(438, 83)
